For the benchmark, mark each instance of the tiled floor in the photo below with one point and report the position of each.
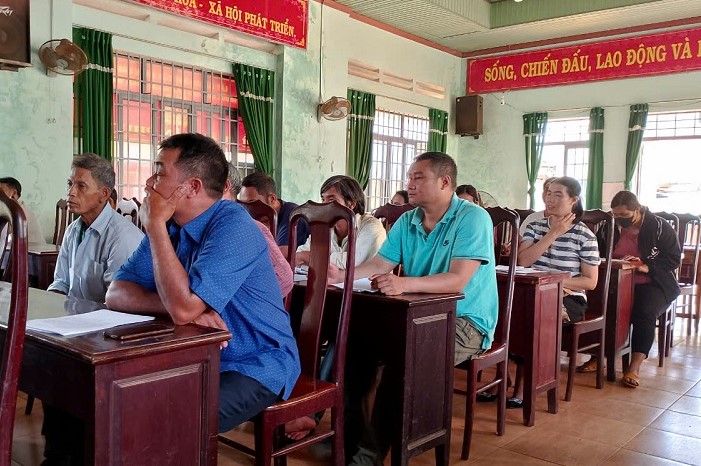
(656, 424)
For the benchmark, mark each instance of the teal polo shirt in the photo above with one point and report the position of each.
(464, 232)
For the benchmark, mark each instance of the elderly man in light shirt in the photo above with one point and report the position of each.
(100, 240)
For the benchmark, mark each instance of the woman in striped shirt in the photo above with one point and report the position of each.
(560, 242)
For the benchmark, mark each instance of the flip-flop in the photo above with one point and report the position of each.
(631, 379)
(590, 366)
(514, 403)
(486, 397)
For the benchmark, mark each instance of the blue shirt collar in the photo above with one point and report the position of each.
(195, 228)
(102, 220)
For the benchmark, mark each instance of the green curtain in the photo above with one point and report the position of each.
(437, 130)
(534, 125)
(595, 178)
(636, 130)
(93, 93)
(360, 135)
(256, 92)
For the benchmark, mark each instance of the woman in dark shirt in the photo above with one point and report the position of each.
(652, 244)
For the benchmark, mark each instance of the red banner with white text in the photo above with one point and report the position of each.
(669, 52)
(282, 21)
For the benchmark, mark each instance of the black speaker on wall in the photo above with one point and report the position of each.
(14, 34)
(468, 115)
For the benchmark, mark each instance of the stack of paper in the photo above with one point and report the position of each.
(361, 284)
(85, 323)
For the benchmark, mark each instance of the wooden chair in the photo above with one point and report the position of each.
(689, 243)
(311, 395)
(594, 322)
(390, 213)
(523, 213)
(262, 212)
(498, 354)
(62, 221)
(130, 208)
(13, 344)
(665, 322)
(4, 252)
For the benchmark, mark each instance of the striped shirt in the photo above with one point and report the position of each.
(568, 251)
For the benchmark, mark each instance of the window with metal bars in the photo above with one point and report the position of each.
(565, 153)
(396, 140)
(669, 163)
(154, 99)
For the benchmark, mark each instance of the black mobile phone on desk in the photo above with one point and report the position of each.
(135, 332)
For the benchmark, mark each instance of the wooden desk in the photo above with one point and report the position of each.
(536, 331)
(414, 335)
(42, 262)
(150, 401)
(618, 311)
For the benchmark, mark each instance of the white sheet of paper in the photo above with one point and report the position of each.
(85, 323)
(519, 269)
(361, 284)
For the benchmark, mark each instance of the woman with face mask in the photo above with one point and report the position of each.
(652, 244)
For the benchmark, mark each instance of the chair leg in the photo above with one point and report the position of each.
(30, 405)
(263, 443)
(502, 371)
(573, 364)
(600, 368)
(337, 422)
(661, 337)
(469, 413)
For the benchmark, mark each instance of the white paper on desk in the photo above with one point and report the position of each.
(85, 323)
(361, 284)
(298, 277)
(519, 269)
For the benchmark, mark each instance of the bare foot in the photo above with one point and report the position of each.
(299, 428)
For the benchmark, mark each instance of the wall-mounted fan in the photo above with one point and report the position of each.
(62, 56)
(487, 199)
(336, 108)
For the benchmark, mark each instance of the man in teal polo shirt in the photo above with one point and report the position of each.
(445, 245)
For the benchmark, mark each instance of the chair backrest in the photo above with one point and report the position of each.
(597, 219)
(4, 252)
(672, 219)
(523, 213)
(321, 218)
(505, 220)
(391, 213)
(129, 208)
(61, 222)
(262, 212)
(689, 225)
(16, 323)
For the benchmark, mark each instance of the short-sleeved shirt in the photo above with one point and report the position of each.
(228, 267)
(283, 225)
(89, 257)
(464, 232)
(568, 251)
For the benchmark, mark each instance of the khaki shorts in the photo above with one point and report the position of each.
(468, 340)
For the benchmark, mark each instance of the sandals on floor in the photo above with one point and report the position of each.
(514, 403)
(631, 379)
(590, 366)
(486, 397)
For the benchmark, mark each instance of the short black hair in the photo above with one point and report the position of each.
(625, 198)
(99, 167)
(264, 183)
(350, 190)
(200, 157)
(12, 183)
(113, 195)
(405, 195)
(441, 164)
